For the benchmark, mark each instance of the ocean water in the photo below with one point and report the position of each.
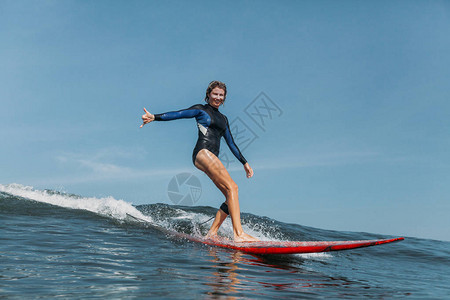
(61, 245)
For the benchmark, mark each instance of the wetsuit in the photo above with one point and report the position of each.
(212, 125)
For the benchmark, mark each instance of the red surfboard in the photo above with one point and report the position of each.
(280, 247)
(277, 247)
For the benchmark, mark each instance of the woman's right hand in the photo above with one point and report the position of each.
(147, 118)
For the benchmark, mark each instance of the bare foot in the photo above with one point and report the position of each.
(216, 237)
(212, 236)
(245, 238)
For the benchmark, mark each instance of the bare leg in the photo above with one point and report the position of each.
(220, 217)
(213, 167)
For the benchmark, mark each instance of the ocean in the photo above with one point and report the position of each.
(60, 245)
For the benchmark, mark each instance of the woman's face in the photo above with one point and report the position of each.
(216, 97)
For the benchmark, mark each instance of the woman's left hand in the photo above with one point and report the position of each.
(248, 170)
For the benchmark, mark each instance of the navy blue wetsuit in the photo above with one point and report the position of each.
(212, 125)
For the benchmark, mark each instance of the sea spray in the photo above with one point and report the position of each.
(107, 207)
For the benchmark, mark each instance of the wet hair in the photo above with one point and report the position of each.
(216, 84)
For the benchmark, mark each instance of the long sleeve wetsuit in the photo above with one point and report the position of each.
(212, 125)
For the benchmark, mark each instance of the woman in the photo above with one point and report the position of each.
(212, 125)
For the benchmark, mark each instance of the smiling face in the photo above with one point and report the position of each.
(216, 97)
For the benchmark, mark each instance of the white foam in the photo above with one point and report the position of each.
(118, 209)
(271, 234)
(108, 207)
(321, 256)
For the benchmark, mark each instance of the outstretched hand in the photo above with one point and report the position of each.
(248, 170)
(147, 118)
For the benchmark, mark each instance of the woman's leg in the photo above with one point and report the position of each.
(213, 167)
(220, 217)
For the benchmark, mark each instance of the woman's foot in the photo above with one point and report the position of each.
(215, 237)
(212, 236)
(243, 237)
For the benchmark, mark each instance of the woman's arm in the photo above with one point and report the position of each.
(168, 116)
(234, 148)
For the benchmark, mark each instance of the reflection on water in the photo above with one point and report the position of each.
(224, 279)
(235, 272)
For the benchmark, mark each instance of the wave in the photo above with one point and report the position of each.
(189, 220)
(196, 221)
(184, 219)
(193, 220)
(106, 207)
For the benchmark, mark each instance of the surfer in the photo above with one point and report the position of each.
(212, 125)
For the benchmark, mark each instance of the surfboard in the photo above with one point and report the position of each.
(278, 247)
(293, 247)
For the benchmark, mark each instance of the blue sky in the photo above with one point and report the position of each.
(361, 141)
